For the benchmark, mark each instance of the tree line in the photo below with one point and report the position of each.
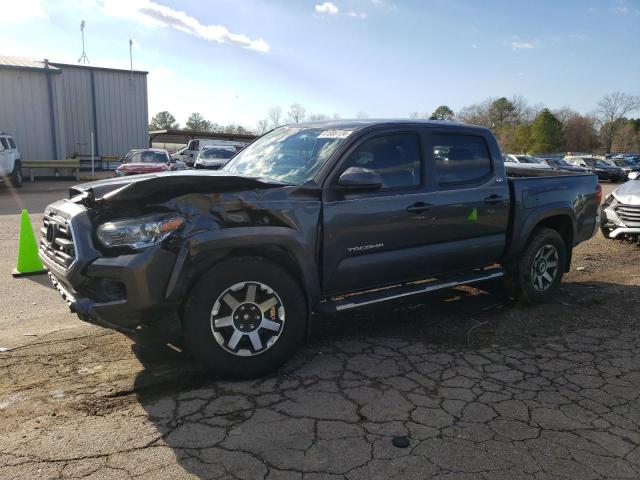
(523, 128)
(166, 121)
(518, 126)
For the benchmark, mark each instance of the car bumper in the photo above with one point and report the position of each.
(618, 223)
(120, 292)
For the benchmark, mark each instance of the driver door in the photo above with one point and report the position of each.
(372, 238)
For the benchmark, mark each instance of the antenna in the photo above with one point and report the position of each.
(83, 58)
(131, 57)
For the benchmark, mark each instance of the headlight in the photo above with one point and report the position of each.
(611, 200)
(138, 233)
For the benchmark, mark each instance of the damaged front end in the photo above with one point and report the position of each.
(620, 212)
(120, 251)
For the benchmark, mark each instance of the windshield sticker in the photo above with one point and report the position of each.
(335, 134)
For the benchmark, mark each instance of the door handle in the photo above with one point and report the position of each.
(419, 207)
(495, 198)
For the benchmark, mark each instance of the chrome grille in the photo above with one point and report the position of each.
(56, 240)
(629, 214)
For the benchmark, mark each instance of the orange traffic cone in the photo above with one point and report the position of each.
(29, 262)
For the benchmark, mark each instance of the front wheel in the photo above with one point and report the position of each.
(16, 175)
(244, 318)
(538, 272)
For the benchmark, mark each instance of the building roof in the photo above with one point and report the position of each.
(22, 63)
(95, 67)
(7, 61)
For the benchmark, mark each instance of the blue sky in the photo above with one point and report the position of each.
(233, 59)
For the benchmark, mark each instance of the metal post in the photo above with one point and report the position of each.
(92, 156)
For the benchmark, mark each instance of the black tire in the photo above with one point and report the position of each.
(16, 175)
(529, 285)
(198, 318)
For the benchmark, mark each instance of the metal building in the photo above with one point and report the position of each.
(52, 108)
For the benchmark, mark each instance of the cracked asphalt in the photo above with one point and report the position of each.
(482, 387)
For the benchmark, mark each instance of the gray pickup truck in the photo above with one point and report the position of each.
(311, 218)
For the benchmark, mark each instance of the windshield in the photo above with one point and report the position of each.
(146, 156)
(526, 159)
(217, 153)
(288, 154)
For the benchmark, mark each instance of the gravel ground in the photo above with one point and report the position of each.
(483, 388)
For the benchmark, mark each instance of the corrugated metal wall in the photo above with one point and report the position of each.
(121, 110)
(25, 112)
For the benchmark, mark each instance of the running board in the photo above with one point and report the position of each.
(338, 304)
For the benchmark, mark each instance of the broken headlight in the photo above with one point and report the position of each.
(138, 233)
(611, 200)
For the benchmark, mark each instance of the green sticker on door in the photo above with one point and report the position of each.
(473, 216)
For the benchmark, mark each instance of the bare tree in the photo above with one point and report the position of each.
(362, 114)
(262, 126)
(611, 108)
(275, 116)
(296, 113)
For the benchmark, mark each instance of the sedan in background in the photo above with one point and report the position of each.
(562, 164)
(524, 161)
(148, 160)
(628, 164)
(602, 169)
(214, 157)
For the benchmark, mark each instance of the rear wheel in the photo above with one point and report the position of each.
(16, 175)
(244, 318)
(538, 272)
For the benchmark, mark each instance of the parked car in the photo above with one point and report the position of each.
(620, 212)
(189, 154)
(627, 164)
(213, 157)
(320, 217)
(10, 160)
(147, 160)
(603, 170)
(562, 164)
(523, 161)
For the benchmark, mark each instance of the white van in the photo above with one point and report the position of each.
(189, 154)
(10, 164)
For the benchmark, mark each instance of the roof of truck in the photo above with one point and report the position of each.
(368, 122)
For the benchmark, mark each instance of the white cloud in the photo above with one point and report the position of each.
(15, 11)
(473, 45)
(327, 8)
(154, 14)
(522, 45)
(621, 10)
(361, 15)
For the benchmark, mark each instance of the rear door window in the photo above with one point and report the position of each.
(460, 158)
(11, 142)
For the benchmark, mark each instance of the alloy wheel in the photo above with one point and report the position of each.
(544, 269)
(247, 318)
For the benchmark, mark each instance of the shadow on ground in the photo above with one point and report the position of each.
(482, 387)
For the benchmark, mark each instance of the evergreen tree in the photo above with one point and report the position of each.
(547, 133)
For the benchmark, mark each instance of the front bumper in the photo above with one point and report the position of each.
(620, 220)
(120, 292)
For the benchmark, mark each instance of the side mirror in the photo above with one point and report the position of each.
(634, 175)
(358, 178)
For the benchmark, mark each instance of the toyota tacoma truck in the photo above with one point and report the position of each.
(311, 218)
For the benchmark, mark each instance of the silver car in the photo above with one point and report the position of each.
(620, 212)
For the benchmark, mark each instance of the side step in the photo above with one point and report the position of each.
(338, 304)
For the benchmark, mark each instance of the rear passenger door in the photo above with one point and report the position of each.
(469, 203)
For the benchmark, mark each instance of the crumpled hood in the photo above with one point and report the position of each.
(170, 184)
(143, 167)
(628, 193)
